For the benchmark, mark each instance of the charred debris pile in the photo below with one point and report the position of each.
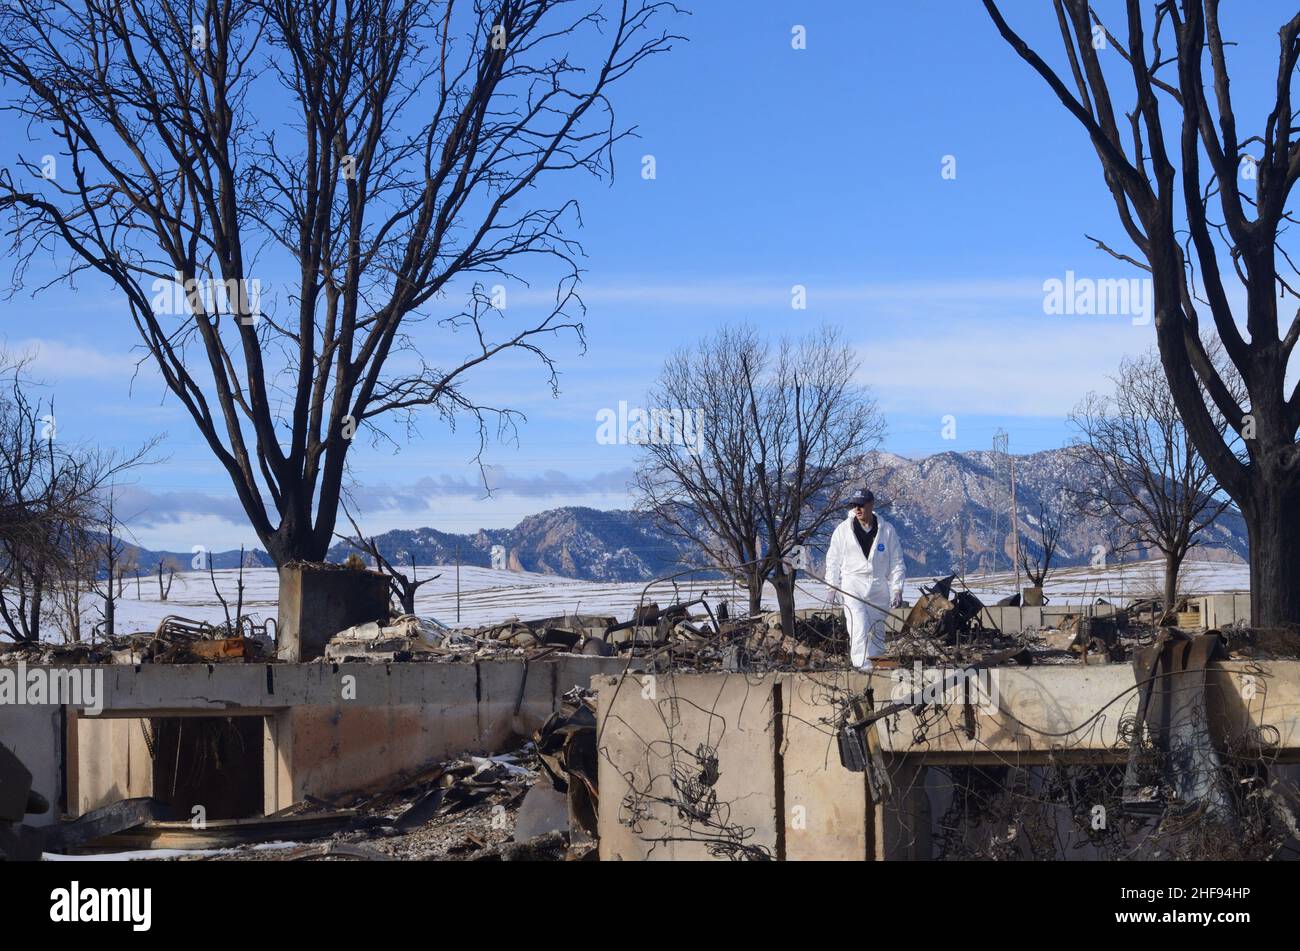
(948, 625)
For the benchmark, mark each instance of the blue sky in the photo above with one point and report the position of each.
(774, 167)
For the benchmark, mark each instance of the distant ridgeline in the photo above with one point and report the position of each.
(931, 501)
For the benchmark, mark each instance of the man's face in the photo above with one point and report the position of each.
(863, 513)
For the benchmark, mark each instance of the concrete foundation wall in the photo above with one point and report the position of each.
(643, 724)
(1220, 610)
(431, 712)
(1021, 619)
(826, 814)
(780, 783)
(329, 728)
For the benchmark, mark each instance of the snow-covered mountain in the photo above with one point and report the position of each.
(948, 508)
(955, 507)
(572, 542)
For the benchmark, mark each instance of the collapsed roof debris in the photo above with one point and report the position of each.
(673, 635)
(566, 748)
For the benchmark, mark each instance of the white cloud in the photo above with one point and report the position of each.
(54, 361)
(183, 531)
(1011, 368)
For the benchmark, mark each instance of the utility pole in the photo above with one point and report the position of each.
(1015, 526)
(458, 584)
(961, 541)
(997, 546)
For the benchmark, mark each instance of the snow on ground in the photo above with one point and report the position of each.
(488, 595)
(191, 596)
(1118, 583)
(155, 855)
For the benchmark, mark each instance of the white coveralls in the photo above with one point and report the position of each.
(878, 580)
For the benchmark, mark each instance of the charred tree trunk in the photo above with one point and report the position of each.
(754, 585)
(1172, 564)
(1273, 523)
(783, 582)
(295, 540)
(1185, 219)
(38, 597)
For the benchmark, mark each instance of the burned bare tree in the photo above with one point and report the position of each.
(748, 451)
(235, 622)
(1142, 470)
(382, 155)
(52, 496)
(1177, 71)
(108, 551)
(1036, 560)
(170, 565)
(402, 587)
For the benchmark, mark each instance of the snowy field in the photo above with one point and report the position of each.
(488, 596)
(1118, 583)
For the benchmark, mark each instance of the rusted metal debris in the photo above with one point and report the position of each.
(1173, 723)
(859, 741)
(566, 747)
(1092, 637)
(176, 640)
(951, 619)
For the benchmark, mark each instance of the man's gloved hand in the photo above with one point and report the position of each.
(835, 599)
(897, 600)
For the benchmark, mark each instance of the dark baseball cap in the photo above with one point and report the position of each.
(863, 496)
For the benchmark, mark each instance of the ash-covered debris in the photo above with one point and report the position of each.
(509, 806)
(694, 634)
(405, 638)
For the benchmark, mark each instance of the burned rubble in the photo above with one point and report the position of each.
(947, 624)
(537, 796)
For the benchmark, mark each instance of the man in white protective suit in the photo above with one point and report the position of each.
(865, 561)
